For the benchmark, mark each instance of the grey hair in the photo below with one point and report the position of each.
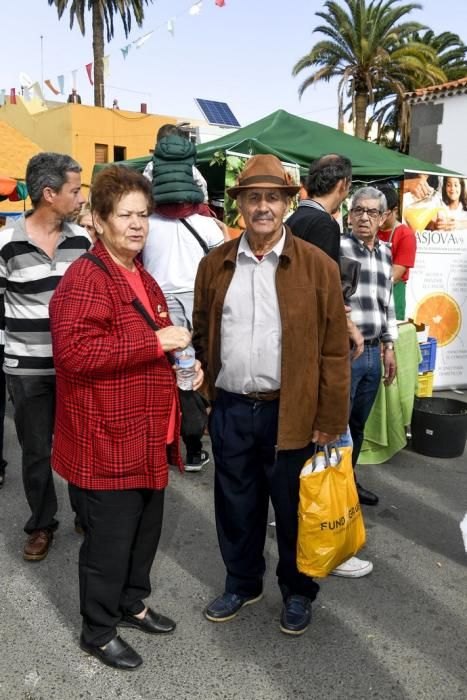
(370, 193)
(48, 170)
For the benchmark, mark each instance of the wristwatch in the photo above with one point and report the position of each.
(389, 346)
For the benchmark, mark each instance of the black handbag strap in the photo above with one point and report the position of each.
(135, 303)
(195, 233)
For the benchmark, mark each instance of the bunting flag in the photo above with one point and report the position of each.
(51, 87)
(125, 50)
(36, 89)
(142, 40)
(196, 8)
(89, 72)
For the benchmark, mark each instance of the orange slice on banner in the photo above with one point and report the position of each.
(442, 314)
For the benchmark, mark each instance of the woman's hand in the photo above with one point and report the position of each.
(444, 222)
(173, 338)
(199, 379)
(418, 186)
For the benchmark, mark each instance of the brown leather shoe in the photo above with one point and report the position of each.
(37, 545)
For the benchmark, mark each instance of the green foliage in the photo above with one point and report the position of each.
(107, 9)
(374, 51)
(218, 158)
(102, 13)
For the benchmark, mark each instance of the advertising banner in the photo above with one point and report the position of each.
(435, 208)
(234, 164)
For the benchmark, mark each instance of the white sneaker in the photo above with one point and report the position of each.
(353, 568)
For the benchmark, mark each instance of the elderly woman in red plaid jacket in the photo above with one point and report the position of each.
(117, 416)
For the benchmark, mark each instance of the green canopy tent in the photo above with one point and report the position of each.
(297, 140)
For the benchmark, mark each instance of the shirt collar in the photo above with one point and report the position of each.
(69, 229)
(312, 203)
(362, 245)
(244, 247)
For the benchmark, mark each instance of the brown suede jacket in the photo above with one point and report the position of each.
(315, 366)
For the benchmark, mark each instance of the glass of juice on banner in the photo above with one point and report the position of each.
(419, 214)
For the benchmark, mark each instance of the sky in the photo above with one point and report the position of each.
(242, 54)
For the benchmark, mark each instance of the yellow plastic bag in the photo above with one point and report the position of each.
(330, 522)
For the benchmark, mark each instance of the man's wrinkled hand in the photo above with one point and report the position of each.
(356, 338)
(323, 438)
(199, 378)
(389, 364)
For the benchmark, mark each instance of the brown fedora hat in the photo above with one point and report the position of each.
(263, 171)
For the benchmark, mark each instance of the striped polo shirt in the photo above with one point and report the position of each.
(28, 278)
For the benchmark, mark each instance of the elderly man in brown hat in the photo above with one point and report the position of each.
(270, 330)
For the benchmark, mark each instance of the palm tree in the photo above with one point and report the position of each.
(450, 50)
(364, 47)
(392, 111)
(102, 14)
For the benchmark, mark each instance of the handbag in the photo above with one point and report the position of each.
(330, 521)
(350, 274)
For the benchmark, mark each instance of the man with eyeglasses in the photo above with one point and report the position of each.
(372, 310)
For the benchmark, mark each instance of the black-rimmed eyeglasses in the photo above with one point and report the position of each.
(359, 211)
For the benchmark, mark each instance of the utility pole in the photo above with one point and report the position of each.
(42, 70)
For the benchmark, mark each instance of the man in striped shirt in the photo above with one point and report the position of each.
(372, 310)
(34, 255)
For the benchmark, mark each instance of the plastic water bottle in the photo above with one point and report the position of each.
(185, 366)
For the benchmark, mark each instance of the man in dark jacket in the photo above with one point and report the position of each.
(327, 184)
(270, 332)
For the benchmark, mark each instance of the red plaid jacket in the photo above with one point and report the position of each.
(115, 386)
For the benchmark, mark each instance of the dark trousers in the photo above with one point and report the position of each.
(121, 535)
(33, 400)
(365, 381)
(247, 472)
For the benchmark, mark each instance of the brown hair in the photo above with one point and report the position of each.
(113, 183)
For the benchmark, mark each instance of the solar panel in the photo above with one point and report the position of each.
(217, 113)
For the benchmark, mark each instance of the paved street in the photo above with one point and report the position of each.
(399, 634)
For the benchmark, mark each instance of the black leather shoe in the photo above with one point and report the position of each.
(366, 497)
(227, 605)
(152, 623)
(116, 653)
(296, 614)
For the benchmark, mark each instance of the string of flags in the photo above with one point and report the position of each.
(33, 89)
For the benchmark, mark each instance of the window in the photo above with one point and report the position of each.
(101, 153)
(119, 153)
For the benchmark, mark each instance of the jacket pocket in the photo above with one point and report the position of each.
(120, 447)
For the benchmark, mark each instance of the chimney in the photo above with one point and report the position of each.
(144, 108)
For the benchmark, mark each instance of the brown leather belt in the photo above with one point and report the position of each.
(264, 395)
